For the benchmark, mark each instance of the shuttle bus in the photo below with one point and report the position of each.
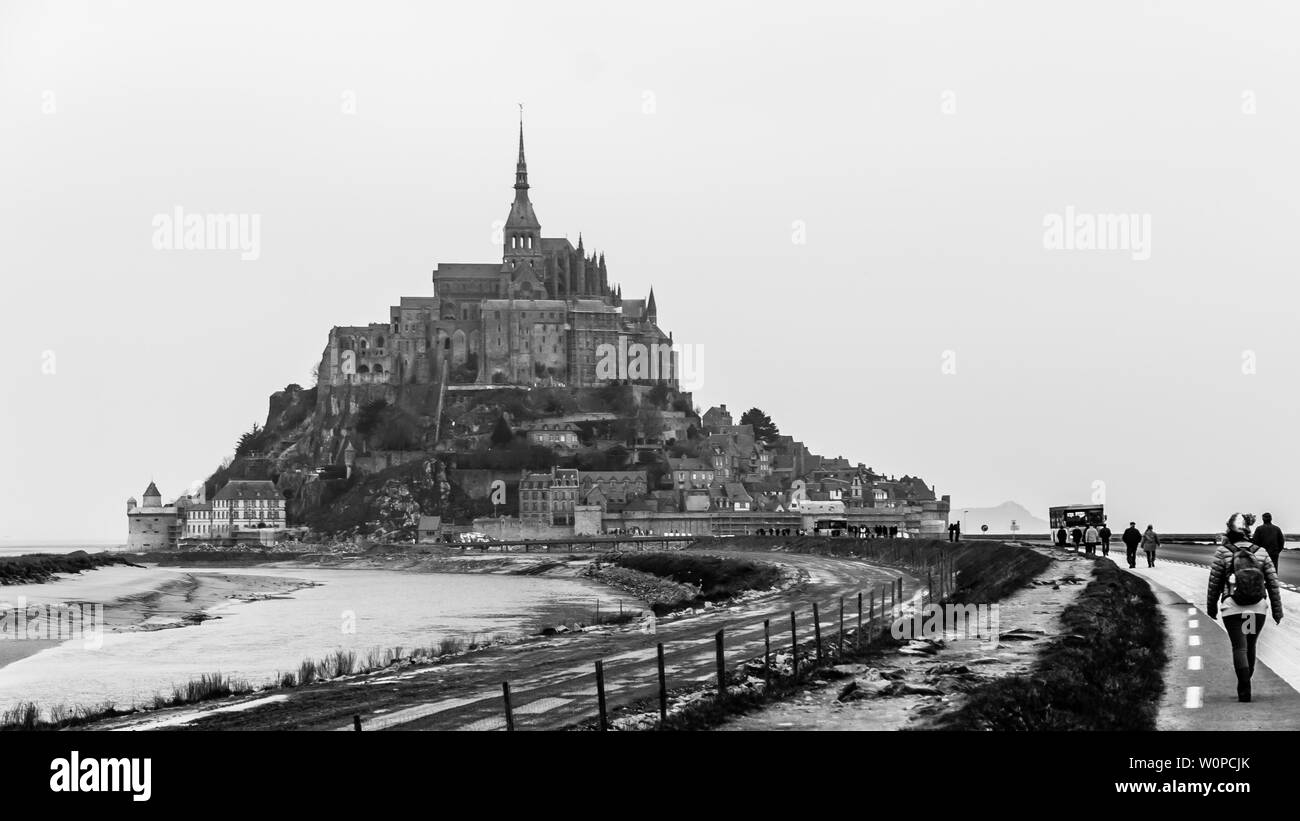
(1072, 516)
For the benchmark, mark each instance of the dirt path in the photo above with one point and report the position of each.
(907, 688)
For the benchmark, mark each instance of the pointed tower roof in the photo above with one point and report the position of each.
(650, 303)
(521, 166)
(152, 490)
(521, 212)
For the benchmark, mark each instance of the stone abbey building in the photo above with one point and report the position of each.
(545, 314)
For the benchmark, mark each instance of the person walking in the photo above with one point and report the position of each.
(1150, 541)
(1270, 537)
(1077, 536)
(1061, 537)
(1104, 533)
(1131, 538)
(1243, 587)
(1091, 537)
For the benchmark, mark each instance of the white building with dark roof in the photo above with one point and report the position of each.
(247, 504)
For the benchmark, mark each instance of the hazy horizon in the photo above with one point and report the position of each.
(922, 326)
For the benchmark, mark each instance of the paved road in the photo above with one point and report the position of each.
(1200, 683)
(553, 681)
(1202, 554)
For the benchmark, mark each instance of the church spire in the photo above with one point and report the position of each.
(521, 167)
(523, 233)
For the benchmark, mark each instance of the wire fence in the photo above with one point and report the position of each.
(857, 619)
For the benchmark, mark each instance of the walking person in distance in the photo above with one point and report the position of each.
(1270, 537)
(1077, 536)
(1091, 537)
(1243, 586)
(1150, 541)
(1105, 539)
(1132, 538)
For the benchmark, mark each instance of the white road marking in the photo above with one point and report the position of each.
(1191, 611)
(1193, 662)
(1194, 641)
(412, 713)
(541, 705)
(1193, 697)
(484, 724)
(1192, 624)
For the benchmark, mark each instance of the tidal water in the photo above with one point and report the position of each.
(349, 609)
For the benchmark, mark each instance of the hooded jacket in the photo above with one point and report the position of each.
(1221, 567)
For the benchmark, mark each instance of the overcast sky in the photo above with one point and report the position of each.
(843, 204)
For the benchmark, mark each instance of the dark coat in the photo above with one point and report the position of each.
(1270, 538)
(1132, 537)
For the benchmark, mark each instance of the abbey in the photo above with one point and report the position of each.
(541, 316)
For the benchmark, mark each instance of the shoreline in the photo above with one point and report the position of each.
(129, 599)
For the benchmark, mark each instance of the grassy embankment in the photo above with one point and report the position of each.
(1104, 673)
(36, 568)
(676, 580)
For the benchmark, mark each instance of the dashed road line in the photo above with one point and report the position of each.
(1193, 697)
(1193, 662)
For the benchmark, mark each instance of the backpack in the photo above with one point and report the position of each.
(1248, 587)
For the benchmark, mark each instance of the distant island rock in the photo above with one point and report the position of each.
(999, 519)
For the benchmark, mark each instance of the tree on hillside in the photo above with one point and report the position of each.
(658, 396)
(248, 440)
(502, 434)
(765, 429)
(370, 416)
(650, 423)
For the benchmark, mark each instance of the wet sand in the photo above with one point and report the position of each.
(124, 599)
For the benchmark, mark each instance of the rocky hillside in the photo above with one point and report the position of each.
(400, 471)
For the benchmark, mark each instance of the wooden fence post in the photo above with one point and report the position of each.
(600, 694)
(857, 637)
(510, 714)
(767, 654)
(840, 654)
(722, 667)
(663, 687)
(356, 723)
(794, 650)
(817, 632)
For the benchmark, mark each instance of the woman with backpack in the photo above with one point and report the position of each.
(1150, 541)
(1243, 585)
